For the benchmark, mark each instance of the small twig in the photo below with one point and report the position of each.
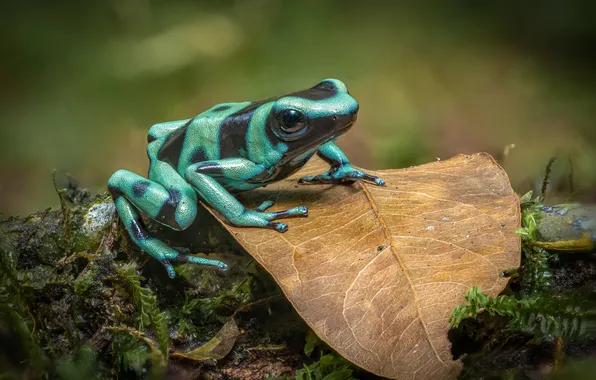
(69, 259)
(126, 329)
(46, 213)
(546, 179)
(272, 347)
(65, 216)
(559, 353)
(33, 320)
(112, 236)
(256, 303)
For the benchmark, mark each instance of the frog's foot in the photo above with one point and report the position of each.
(169, 254)
(260, 218)
(342, 174)
(181, 258)
(140, 236)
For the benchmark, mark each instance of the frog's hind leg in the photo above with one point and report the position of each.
(175, 208)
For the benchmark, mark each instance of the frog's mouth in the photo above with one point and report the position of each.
(341, 130)
(338, 132)
(346, 127)
(313, 144)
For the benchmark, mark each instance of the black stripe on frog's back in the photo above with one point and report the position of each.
(315, 93)
(223, 107)
(232, 137)
(232, 132)
(170, 149)
(322, 91)
(249, 109)
(197, 155)
(243, 117)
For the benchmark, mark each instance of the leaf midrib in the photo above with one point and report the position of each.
(387, 234)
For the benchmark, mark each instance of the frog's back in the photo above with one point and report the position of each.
(199, 139)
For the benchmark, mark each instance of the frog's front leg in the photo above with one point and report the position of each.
(168, 199)
(341, 170)
(206, 177)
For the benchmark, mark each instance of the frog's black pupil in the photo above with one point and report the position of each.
(290, 118)
(291, 121)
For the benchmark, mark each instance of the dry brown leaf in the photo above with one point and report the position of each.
(376, 271)
(217, 348)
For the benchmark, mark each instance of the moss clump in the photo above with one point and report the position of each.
(77, 300)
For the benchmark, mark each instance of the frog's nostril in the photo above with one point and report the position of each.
(334, 117)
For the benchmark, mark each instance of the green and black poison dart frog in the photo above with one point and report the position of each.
(230, 148)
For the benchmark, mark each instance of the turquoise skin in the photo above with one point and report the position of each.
(230, 148)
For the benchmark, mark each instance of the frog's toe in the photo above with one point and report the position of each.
(201, 261)
(169, 267)
(356, 175)
(258, 218)
(181, 258)
(265, 205)
(353, 176)
(376, 180)
(280, 227)
(317, 179)
(301, 210)
(294, 211)
(306, 179)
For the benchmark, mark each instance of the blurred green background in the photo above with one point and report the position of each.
(83, 81)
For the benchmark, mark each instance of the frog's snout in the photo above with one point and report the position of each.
(345, 121)
(354, 114)
(346, 118)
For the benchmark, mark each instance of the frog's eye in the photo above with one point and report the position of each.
(291, 121)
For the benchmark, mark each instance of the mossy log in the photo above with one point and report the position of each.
(77, 299)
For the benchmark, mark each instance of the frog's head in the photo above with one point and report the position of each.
(306, 119)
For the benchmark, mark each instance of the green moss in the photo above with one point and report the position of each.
(67, 299)
(571, 317)
(328, 367)
(537, 273)
(14, 311)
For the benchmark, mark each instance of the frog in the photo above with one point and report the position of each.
(231, 148)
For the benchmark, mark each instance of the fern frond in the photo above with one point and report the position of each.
(159, 321)
(559, 316)
(146, 304)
